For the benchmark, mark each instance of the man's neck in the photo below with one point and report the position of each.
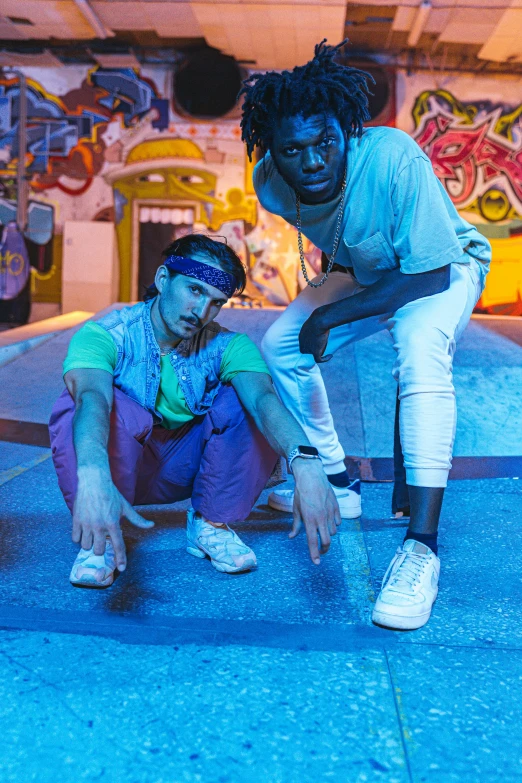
(322, 203)
(165, 339)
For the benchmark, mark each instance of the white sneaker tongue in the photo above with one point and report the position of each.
(415, 546)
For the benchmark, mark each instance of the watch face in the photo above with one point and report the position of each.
(310, 451)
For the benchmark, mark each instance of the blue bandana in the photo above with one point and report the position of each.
(225, 282)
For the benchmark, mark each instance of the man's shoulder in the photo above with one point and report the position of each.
(263, 170)
(271, 189)
(390, 143)
(213, 334)
(214, 327)
(122, 315)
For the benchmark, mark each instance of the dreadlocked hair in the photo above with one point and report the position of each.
(322, 86)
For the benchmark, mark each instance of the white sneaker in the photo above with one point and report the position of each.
(226, 550)
(349, 499)
(409, 588)
(90, 570)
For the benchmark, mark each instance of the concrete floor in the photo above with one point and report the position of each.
(179, 673)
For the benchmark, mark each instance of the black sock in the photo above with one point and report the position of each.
(339, 479)
(429, 539)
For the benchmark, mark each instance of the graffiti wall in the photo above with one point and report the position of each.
(106, 145)
(470, 129)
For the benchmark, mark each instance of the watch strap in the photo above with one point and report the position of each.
(299, 452)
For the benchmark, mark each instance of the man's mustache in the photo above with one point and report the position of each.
(192, 320)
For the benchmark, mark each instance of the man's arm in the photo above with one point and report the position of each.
(315, 503)
(98, 506)
(391, 292)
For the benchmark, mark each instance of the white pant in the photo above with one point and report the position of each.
(424, 334)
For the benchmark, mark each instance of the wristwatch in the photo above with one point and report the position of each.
(308, 452)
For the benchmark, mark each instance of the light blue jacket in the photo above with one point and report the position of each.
(196, 362)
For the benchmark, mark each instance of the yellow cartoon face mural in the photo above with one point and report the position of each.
(154, 174)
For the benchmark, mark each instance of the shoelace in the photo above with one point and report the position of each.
(221, 538)
(98, 561)
(410, 570)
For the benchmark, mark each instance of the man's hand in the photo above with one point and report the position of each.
(315, 505)
(313, 338)
(97, 512)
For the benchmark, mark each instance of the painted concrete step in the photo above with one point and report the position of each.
(15, 342)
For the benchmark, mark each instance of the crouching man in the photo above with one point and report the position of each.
(164, 404)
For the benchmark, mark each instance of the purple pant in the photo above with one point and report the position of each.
(220, 460)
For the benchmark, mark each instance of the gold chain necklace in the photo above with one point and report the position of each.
(337, 237)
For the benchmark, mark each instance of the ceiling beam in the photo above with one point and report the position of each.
(419, 23)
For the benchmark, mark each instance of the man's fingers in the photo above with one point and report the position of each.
(135, 518)
(313, 543)
(326, 358)
(99, 543)
(325, 538)
(76, 531)
(333, 516)
(86, 541)
(118, 546)
(296, 527)
(337, 514)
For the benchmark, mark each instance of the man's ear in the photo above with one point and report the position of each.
(161, 278)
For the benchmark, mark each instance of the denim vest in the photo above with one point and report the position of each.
(196, 362)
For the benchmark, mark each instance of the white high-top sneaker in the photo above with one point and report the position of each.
(224, 548)
(349, 499)
(90, 570)
(409, 588)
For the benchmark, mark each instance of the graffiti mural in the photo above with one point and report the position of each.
(476, 151)
(105, 145)
(65, 134)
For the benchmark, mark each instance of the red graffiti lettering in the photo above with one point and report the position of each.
(459, 152)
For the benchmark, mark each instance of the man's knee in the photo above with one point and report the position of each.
(130, 415)
(126, 415)
(280, 346)
(423, 354)
(226, 409)
(271, 343)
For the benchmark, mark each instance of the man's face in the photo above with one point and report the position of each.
(310, 155)
(185, 304)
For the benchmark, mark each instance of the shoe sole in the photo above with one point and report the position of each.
(92, 584)
(223, 567)
(398, 623)
(281, 506)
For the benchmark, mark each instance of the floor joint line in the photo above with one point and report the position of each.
(398, 712)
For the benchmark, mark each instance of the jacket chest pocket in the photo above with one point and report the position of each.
(373, 254)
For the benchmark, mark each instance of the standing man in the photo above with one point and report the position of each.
(164, 404)
(400, 258)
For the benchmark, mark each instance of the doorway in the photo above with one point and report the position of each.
(158, 227)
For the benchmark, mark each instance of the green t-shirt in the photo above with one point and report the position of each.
(92, 348)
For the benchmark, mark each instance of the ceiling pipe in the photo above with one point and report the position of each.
(90, 15)
(419, 23)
